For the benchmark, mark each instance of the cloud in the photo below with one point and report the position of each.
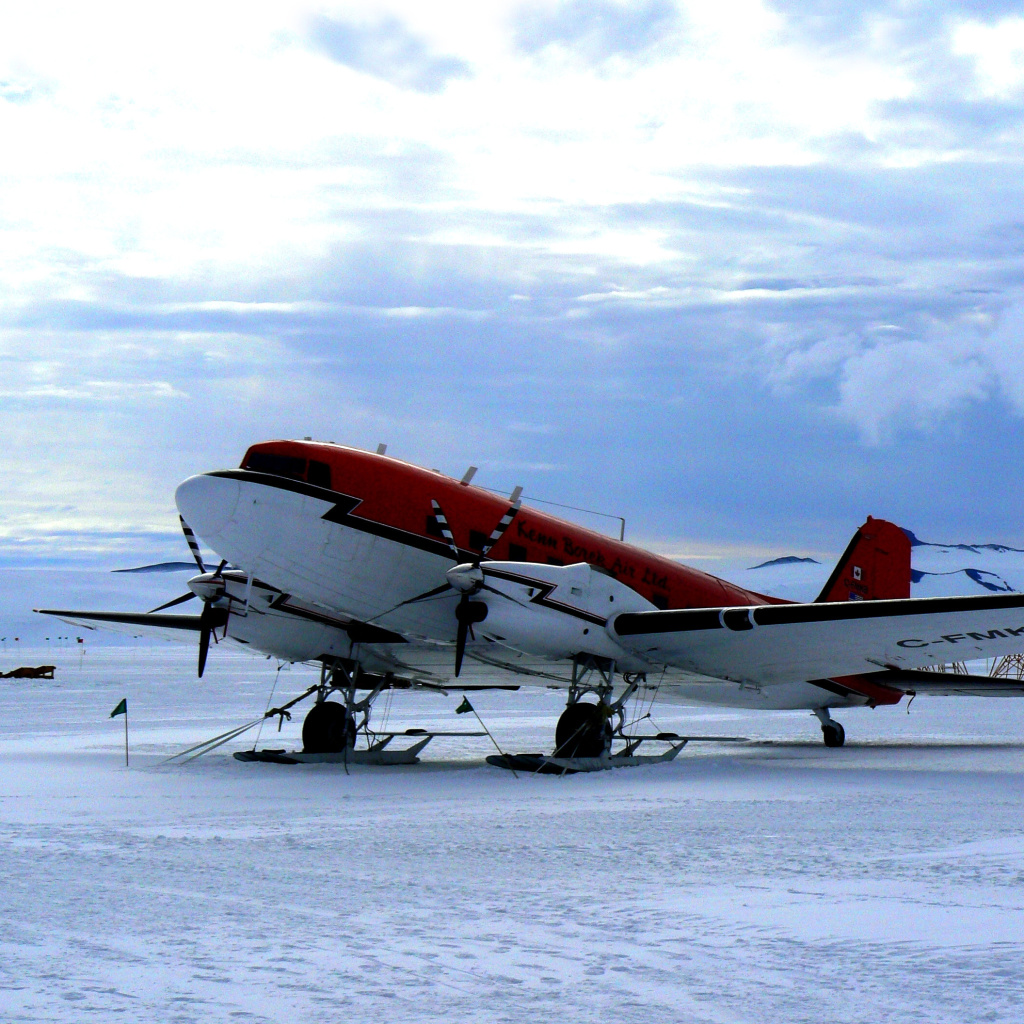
(908, 384)
(595, 29)
(387, 50)
(774, 274)
(15, 91)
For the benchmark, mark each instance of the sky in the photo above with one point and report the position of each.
(741, 272)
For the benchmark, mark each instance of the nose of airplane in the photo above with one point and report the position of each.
(207, 503)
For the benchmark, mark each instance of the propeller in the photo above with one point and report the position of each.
(465, 577)
(468, 579)
(209, 590)
(210, 618)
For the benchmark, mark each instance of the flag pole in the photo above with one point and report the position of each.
(469, 707)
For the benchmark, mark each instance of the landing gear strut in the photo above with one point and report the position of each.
(585, 729)
(831, 731)
(330, 726)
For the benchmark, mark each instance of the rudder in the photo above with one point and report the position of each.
(874, 566)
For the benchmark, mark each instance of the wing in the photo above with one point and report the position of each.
(782, 643)
(166, 627)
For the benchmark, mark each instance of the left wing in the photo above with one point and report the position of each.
(781, 643)
(166, 627)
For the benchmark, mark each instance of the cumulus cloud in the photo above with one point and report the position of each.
(908, 384)
(387, 50)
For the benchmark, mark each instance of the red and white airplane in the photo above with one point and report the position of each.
(389, 574)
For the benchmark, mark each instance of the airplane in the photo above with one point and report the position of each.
(391, 575)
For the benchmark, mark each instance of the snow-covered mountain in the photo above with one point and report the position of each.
(938, 570)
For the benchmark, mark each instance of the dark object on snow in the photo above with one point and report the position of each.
(39, 672)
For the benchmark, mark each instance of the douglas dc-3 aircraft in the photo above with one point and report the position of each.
(390, 575)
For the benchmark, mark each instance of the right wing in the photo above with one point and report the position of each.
(781, 643)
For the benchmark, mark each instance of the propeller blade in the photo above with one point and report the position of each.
(205, 631)
(467, 613)
(499, 531)
(446, 532)
(171, 604)
(462, 634)
(204, 650)
(436, 592)
(193, 544)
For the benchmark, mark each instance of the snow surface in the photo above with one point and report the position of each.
(773, 881)
(777, 881)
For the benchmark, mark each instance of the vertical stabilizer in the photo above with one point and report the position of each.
(875, 565)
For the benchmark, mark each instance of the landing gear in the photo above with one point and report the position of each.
(584, 730)
(832, 732)
(328, 729)
(331, 728)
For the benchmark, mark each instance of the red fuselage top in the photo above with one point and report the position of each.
(399, 495)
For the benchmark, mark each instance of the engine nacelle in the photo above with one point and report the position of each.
(556, 611)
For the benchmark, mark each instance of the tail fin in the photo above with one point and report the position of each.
(875, 565)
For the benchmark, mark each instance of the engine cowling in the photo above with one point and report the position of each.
(556, 611)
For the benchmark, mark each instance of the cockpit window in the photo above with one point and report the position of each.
(279, 465)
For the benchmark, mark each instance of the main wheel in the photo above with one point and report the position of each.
(328, 729)
(583, 731)
(833, 734)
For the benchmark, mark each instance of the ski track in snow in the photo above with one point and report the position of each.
(779, 881)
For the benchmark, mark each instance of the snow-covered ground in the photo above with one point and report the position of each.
(778, 881)
(772, 881)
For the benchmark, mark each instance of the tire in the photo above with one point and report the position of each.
(583, 731)
(328, 729)
(833, 734)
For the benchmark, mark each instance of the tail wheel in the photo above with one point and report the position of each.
(328, 729)
(583, 731)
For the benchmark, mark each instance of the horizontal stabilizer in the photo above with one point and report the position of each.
(950, 684)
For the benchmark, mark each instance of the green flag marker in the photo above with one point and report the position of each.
(122, 709)
(463, 709)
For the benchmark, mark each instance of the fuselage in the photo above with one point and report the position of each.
(362, 537)
(383, 497)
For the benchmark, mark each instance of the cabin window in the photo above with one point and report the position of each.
(517, 553)
(660, 601)
(555, 561)
(477, 540)
(278, 465)
(319, 474)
